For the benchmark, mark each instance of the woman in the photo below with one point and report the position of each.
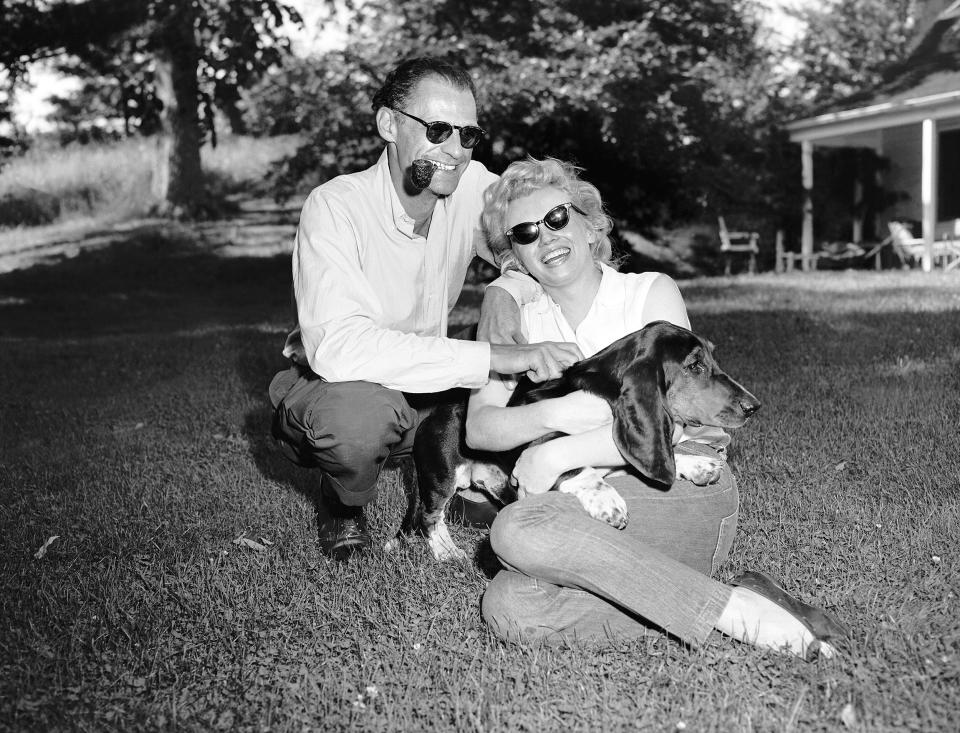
(566, 574)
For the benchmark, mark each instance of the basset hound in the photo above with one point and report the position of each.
(653, 379)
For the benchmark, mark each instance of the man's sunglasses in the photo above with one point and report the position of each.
(437, 132)
(556, 219)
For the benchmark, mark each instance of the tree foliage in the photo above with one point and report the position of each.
(185, 56)
(117, 88)
(846, 47)
(626, 88)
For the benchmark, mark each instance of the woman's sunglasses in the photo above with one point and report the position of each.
(556, 219)
(437, 132)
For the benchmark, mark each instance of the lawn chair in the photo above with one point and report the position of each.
(906, 246)
(737, 243)
(911, 249)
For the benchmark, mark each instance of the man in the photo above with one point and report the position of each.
(379, 260)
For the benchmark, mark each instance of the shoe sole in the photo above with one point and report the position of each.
(343, 550)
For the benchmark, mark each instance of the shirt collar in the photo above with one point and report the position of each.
(610, 292)
(401, 220)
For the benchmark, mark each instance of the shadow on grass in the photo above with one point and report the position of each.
(164, 283)
(153, 281)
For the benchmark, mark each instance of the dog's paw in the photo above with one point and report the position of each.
(701, 470)
(604, 503)
(442, 545)
(598, 498)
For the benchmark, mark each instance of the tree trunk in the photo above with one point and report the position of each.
(178, 177)
(229, 103)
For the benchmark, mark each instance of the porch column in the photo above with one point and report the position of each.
(857, 237)
(806, 237)
(928, 190)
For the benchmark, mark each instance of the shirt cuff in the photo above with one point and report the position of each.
(474, 358)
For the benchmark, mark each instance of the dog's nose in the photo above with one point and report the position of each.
(749, 407)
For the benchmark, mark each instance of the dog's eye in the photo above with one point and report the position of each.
(697, 367)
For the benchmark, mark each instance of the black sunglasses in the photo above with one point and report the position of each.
(437, 132)
(556, 219)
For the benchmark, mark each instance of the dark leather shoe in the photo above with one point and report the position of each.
(823, 626)
(344, 534)
(468, 513)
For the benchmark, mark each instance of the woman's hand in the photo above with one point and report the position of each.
(579, 412)
(537, 469)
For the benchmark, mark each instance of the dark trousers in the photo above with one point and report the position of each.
(346, 429)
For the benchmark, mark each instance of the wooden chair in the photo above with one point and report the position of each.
(738, 243)
(908, 247)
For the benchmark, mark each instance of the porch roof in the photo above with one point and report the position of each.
(925, 86)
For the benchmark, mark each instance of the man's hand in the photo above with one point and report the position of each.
(542, 361)
(578, 412)
(537, 470)
(499, 318)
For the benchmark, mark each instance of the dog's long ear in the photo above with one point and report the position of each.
(642, 427)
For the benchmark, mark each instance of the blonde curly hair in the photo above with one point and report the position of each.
(523, 177)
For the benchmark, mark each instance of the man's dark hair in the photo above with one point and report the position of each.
(401, 81)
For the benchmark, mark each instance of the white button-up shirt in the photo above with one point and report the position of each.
(373, 297)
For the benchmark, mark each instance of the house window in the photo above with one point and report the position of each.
(948, 181)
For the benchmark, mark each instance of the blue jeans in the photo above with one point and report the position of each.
(569, 576)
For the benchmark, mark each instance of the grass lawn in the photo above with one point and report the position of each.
(134, 429)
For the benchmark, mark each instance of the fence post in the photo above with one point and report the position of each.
(778, 254)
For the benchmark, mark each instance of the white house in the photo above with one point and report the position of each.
(913, 121)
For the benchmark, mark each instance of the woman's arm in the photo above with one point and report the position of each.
(539, 466)
(664, 303)
(491, 425)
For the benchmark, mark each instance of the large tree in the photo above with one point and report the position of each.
(228, 41)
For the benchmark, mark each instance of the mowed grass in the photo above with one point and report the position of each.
(135, 429)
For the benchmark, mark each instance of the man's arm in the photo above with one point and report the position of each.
(499, 318)
(336, 307)
(500, 327)
(338, 311)
(500, 312)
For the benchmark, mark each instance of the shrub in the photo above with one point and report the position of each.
(28, 207)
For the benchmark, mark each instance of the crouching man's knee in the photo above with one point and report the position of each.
(345, 428)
